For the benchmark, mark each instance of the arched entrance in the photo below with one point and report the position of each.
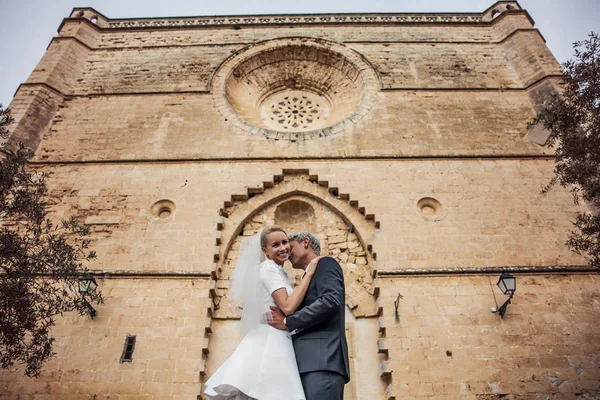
(297, 202)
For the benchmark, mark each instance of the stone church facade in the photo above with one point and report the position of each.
(401, 140)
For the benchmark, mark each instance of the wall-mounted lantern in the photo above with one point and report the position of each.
(508, 285)
(87, 285)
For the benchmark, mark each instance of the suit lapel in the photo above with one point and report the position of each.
(310, 294)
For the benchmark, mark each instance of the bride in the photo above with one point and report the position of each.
(263, 366)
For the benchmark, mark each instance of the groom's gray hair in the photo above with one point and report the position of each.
(313, 241)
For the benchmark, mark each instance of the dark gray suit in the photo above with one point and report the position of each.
(320, 342)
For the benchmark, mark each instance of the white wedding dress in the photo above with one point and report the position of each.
(263, 366)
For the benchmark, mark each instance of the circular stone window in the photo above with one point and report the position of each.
(295, 111)
(163, 209)
(295, 88)
(430, 208)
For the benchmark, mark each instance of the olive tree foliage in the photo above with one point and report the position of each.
(573, 120)
(40, 262)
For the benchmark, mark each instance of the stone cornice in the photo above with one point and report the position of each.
(542, 269)
(239, 21)
(116, 273)
(525, 270)
(186, 160)
(307, 19)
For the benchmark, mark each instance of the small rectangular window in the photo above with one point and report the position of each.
(128, 347)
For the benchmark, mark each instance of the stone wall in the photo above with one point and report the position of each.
(400, 64)
(445, 343)
(490, 58)
(168, 316)
(477, 197)
(405, 123)
(430, 182)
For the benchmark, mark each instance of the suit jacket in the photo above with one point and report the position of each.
(320, 343)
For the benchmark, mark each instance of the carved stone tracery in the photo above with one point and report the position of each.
(295, 111)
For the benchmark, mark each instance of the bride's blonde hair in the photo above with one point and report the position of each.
(267, 230)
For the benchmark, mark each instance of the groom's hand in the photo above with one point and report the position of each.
(277, 321)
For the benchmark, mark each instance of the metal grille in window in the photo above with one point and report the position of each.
(128, 347)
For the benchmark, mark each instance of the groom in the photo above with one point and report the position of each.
(318, 325)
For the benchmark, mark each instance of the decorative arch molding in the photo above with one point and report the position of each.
(242, 207)
(362, 298)
(299, 184)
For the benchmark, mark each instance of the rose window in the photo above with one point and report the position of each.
(295, 111)
(295, 88)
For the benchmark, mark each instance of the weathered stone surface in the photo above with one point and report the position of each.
(168, 318)
(446, 338)
(139, 147)
(336, 239)
(405, 123)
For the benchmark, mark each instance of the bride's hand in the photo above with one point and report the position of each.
(312, 267)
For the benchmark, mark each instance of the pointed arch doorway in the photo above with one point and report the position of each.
(298, 201)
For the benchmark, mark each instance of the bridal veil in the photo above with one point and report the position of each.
(245, 283)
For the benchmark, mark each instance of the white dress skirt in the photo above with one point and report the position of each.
(263, 366)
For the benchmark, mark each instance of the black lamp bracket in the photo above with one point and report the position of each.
(503, 307)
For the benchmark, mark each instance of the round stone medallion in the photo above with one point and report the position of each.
(431, 209)
(162, 209)
(295, 88)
